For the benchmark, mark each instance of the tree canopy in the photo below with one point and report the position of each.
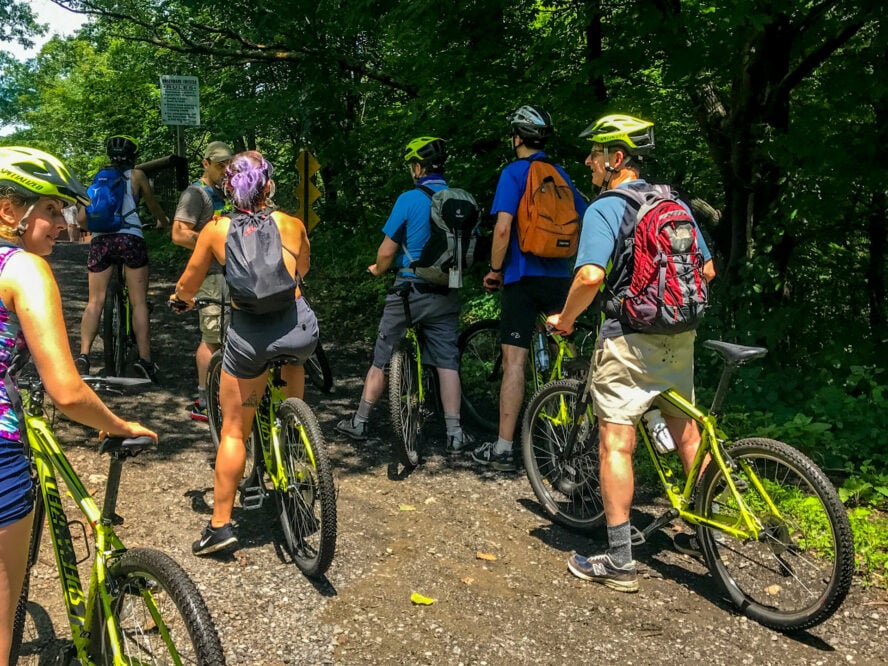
(773, 113)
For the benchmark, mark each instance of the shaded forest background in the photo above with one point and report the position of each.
(776, 114)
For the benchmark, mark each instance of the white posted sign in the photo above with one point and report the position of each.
(179, 100)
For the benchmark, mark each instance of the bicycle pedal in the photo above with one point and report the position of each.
(636, 537)
(252, 498)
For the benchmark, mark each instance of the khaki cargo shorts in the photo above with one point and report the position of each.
(632, 370)
(214, 288)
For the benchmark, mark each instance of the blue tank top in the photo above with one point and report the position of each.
(12, 342)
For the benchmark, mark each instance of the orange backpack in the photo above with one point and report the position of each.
(548, 222)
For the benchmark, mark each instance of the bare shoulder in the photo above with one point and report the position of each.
(288, 224)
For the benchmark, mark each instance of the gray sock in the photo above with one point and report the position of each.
(451, 423)
(502, 445)
(619, 540)
(202, 396)
(363, 413)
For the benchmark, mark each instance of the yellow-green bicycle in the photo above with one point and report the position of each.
(140, 607)
(773, 531)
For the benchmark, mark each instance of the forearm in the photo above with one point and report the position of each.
(500, 242)
(583, 290)
(82, 405)
(184, 235)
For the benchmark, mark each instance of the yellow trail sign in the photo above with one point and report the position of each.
(306, 191)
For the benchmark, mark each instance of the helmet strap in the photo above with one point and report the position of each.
(23, 223)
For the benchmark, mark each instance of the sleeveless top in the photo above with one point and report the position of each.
(12, 342)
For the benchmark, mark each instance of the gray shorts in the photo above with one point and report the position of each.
(255, 341)
(439, 315)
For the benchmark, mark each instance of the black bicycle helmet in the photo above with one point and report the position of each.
(429, 151)
(122, 148)
(531, 123)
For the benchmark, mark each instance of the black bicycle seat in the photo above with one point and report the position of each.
(735, 354)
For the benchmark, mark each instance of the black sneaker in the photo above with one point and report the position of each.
(486, 455)
(81, 362)
(214, 539)
(459, 443)
(353, 429)
(601, 569)
(689, 544)
(148, 369)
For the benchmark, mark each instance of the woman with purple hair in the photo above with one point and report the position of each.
(265, 326)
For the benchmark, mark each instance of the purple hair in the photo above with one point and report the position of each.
(245, 179)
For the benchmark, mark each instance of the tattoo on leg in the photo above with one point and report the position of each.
(252, 401)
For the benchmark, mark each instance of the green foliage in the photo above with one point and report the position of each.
(870, 529)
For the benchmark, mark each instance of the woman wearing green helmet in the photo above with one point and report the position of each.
(34, 189)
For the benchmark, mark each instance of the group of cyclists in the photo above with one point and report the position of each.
(629, 370)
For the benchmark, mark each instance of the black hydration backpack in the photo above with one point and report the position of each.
(451, 248)
(257, 277)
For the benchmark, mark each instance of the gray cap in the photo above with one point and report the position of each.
(218, 151)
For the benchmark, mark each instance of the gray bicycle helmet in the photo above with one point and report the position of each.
(531, 123)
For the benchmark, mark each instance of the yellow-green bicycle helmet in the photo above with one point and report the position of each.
(33, 172)
(633, 134)
(429, 151)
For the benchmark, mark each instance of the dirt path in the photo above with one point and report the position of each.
(423, 534)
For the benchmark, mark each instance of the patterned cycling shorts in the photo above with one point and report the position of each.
(108, 250)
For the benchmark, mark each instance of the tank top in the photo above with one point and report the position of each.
(12, 342)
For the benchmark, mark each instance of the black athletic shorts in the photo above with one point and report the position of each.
(524, 300)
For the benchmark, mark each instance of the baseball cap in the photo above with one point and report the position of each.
(218, 151)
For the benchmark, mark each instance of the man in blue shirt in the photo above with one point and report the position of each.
(530, 284)
(406, 232)
(631, 368)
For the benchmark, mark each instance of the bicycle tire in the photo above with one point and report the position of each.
(307, 508)
(143, 573)
(214, 416)
(799, 572)
(114, 330)
(318, 369)
(21, 608)
(404, 404)
(568, 490)
(481, 373)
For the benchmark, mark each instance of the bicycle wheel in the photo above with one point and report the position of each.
(21, 610)
(214, 415)
(317, 367)
(584, 339)
(404, 404)
(307, 505)
(799, 570)
(567, 487)
(480, 373)
(114, 330)
(160, 615)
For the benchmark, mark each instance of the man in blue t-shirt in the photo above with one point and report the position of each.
(631, 368)
(530, 284)
(406, 232)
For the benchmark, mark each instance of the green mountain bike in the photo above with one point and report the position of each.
(773, 531)
(141, 607)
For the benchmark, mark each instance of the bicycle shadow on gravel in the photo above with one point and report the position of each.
(47, 646)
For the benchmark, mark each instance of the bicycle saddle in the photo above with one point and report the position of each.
(735, 354)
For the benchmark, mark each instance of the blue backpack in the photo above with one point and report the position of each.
(104, 214)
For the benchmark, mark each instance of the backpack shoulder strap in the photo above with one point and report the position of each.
(428, 191)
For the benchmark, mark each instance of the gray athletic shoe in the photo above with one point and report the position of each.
(351, 428)
(601, 569)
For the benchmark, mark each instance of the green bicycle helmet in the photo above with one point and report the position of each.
(633, 134)
(33, 172)
(429, 151)
(122, 148)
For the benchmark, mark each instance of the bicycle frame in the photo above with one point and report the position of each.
(268, 428)
(711, 443)
(48, 459)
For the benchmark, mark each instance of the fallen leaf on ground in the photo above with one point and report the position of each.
(490, 557)
(406, 507)
(468, 580)
(420, 600)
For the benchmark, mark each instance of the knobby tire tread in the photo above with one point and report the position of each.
(183, 593)
(318, 368)
(402, 373)
(325, 490)
(838, 584)
(114, 330)
(581, 509)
